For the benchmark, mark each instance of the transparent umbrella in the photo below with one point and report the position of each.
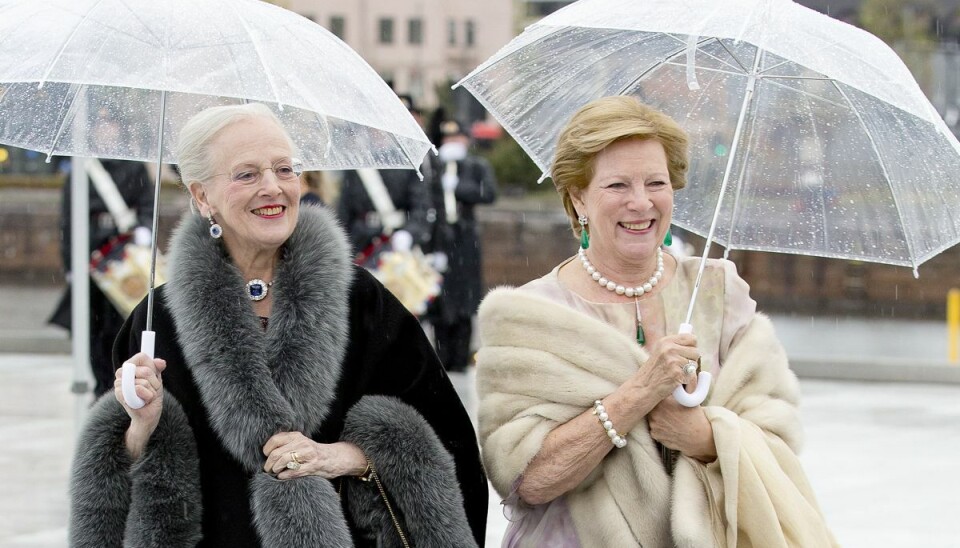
(153, 64)
(808, 135)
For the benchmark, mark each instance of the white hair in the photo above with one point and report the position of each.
(193, 147)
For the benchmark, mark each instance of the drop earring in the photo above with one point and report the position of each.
(584, 235)
(215, 229)
(668, 239)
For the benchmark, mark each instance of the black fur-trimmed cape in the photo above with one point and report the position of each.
(340, 360)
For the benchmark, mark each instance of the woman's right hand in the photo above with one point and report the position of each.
(664, 370)
(149, 387)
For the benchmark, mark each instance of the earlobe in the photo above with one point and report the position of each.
(199, 197)
(578, 205)
(574, 199)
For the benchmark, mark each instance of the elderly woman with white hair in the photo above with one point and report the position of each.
(292, 401)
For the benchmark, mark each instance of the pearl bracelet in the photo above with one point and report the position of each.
(602, 416)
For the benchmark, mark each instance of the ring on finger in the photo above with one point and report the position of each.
(294, 462)
(690, 369)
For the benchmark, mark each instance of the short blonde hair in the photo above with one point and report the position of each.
(601, 123)
(193, 147)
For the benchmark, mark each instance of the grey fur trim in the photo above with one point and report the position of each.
(99, 482)
(298, 512)
(417, 472)
(153, 502)
(255, 384)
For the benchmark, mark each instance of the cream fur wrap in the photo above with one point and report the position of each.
(541, 364)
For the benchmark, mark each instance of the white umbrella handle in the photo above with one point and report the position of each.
(127, 381)
(703, 382)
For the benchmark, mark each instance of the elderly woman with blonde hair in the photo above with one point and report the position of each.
(579, 429)
(292, 401)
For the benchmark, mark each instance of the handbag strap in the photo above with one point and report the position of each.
(383, 494)
(371, 474)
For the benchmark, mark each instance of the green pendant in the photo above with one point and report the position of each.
(640, 337)
(584, 238)
(668, 239)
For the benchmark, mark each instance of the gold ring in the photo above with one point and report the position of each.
(294, 457)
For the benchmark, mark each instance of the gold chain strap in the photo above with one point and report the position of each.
(396, 523)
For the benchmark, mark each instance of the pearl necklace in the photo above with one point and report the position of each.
(635, 292)
(617, 288)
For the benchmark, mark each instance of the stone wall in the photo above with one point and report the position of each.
(30, 232)
(524, 240)
(522, 244)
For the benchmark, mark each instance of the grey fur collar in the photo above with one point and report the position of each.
(254, 383)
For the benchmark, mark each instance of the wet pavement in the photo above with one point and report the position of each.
(880, 456)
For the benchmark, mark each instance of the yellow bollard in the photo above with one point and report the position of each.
(953, 324)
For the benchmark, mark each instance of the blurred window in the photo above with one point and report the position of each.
(469, 33)
(338, 26)
(386, 30)
(415, 31)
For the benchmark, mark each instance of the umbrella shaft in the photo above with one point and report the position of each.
(156, 212)
(747, 97)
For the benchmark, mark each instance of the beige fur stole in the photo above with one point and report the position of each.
(542, 364)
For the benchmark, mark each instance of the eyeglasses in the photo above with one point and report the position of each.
(286, 170)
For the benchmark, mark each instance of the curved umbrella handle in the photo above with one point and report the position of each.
(128, 378)
(703, 382)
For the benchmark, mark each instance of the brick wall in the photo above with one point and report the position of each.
(522, 242)
(520, 245)
(30, 232)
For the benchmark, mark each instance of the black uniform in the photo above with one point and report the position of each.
(136, 187)
(452, 312)
(361, 219)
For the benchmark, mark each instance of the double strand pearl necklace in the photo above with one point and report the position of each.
(635, 292)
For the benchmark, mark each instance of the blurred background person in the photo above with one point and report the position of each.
(310, 188)
(135, 185)
(319, 188)
(465, 181)
(374, 204)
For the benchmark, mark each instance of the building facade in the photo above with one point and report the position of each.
(416, 45)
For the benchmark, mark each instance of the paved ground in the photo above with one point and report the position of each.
(881, 457)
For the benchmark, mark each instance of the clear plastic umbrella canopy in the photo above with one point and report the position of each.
(152, 64)
(72, 71)
(808, 135)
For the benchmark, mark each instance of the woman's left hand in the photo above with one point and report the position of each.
(327, 460)
(685, 429)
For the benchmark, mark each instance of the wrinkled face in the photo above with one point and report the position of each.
(628, 203)
(256, 216)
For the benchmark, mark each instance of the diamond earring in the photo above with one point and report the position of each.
(584, 236)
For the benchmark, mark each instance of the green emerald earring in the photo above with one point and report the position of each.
(584, 236)
(668, 239)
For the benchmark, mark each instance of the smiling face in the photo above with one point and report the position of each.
(629, 203)
(256, 217)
